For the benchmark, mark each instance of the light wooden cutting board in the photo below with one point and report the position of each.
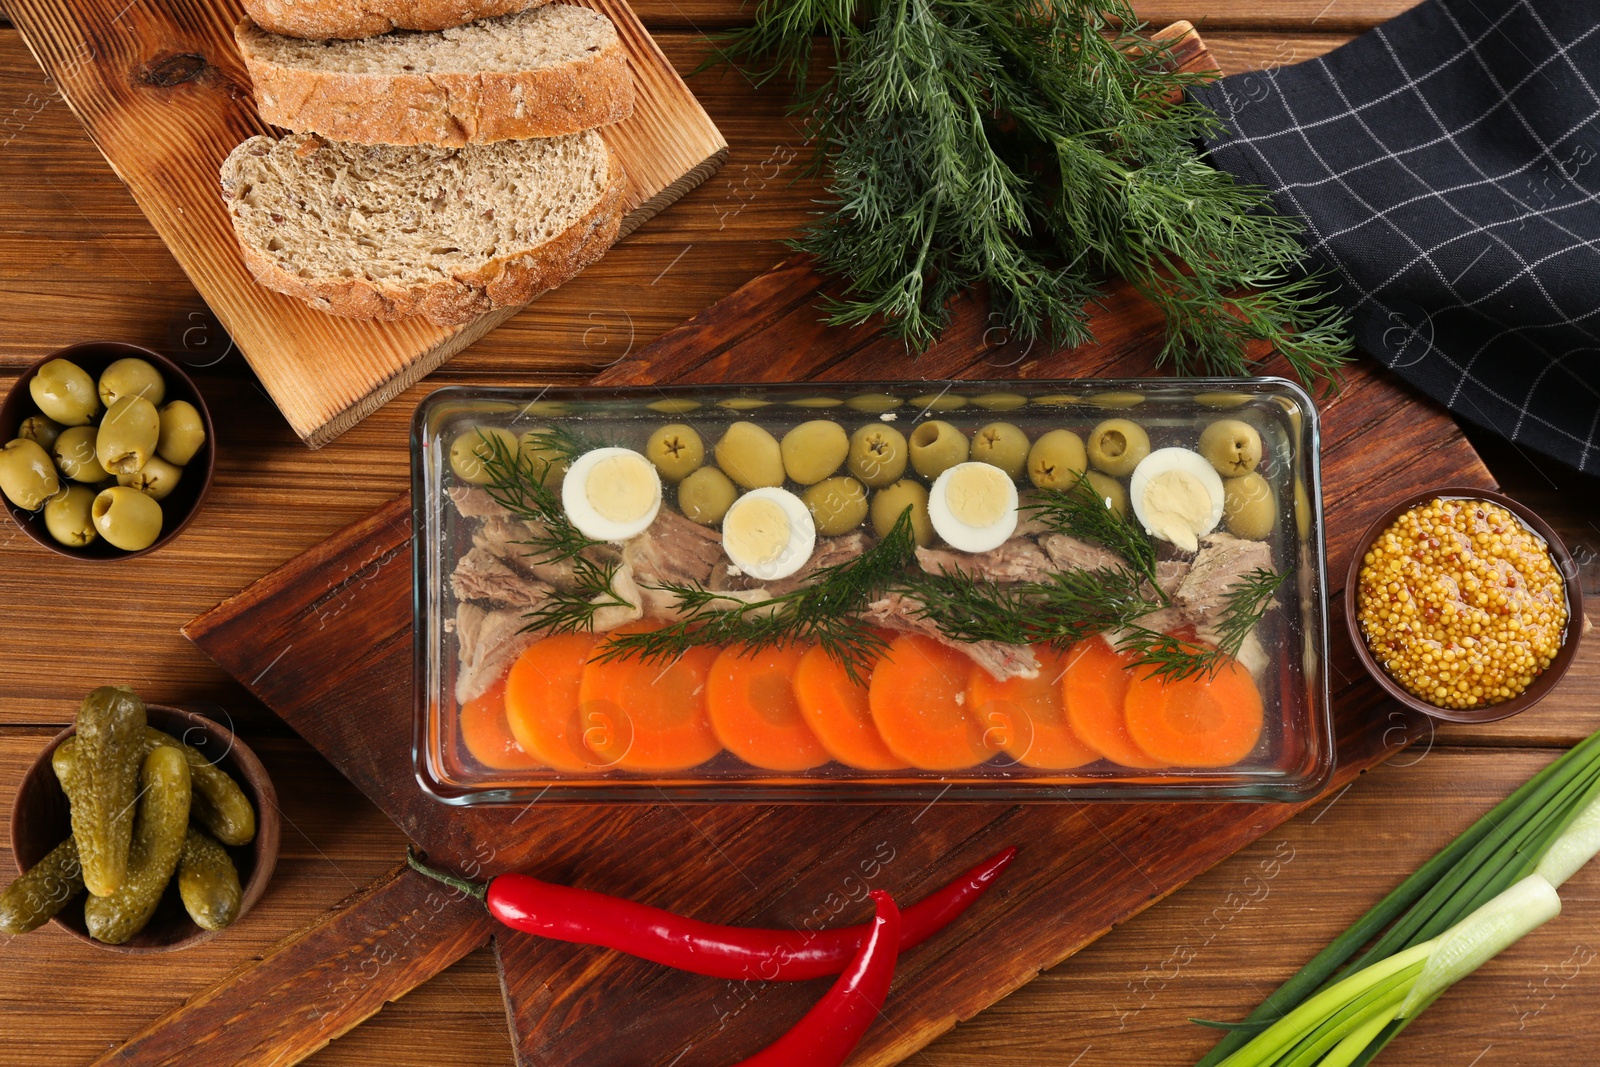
(161, 88)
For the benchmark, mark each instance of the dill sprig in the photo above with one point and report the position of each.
(1035, 148)
(1081, 512)
(516, 484)
(1060, 609)
(826, 610)
(1175, 658)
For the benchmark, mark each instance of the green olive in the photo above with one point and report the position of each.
(873, 403)
(1000, 401)
(1111, 491)
(674, 405)
(126, 518)
(743, 403)
(74, 452)
(676, 450)
(936, 446)
(1057, 460)
(938, 402)
(1222, 400)
(750, 456)
(890, 503)
(814, 450)
(65, 392)
(182, 432)
(132, 377)
(877, 454)
(1233, 447)
(1116, 446)
(1248, 506)
(838, 505)
(706, 495)
(474, 447)
(548, 463)
(40, 428)
(128, 435)
(27, 476)
(1117, 401)
(816, 402)
(156, 479)
(67, 517)
(1002, 445)
(1302, 509)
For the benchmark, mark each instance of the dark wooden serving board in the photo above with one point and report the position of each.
(326, 642)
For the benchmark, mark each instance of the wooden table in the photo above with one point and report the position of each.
(78, 262)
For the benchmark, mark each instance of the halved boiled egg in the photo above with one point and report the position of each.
(973, 506)
(768, 533)
(611, 494)
(1177, 496)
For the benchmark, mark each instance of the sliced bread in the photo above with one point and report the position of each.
(385, 232)
(554, 70)
(317, 19)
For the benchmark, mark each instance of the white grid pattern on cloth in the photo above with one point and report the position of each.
(1448, 224)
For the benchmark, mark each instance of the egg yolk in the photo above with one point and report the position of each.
(621, 488)
(1177, 506)
(757, 531)
(977, 494)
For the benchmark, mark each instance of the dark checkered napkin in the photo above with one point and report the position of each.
(1448, 167)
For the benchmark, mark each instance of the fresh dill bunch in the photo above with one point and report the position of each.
(1033, 148)
(1080, 512)
(1060, 609)
(515, 483)
(826, 611)
(1174, 658)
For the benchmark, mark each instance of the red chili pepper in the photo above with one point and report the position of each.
(584, 917)
(833, 1027)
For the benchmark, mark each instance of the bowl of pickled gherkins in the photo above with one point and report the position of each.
(105, 450)
(140, 829)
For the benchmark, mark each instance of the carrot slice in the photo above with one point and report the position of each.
(751, 703)
(1094, 688)
(837, 710)
(918, 698)
(1027, 717)
(1199, 721)
(649, 716)
(488, 735)
(542, 701)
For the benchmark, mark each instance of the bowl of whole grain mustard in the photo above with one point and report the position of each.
(1464, 605)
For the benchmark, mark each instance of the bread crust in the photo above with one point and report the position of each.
(348, 19)
(505, 281)
(442, 108)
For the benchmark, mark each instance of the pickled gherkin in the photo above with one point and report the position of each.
(30, 901)
(219, 804)
(208, 882)
(158, 838)
(103, 784)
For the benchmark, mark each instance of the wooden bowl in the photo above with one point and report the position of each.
(179, 508)
(40, 822)
(1543, 683)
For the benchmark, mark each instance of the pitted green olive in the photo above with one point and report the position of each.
(838, 505)
(131, 377)
(873, 403)
(676, 450)
(549, 464)
(890, 503)
(936, 446)
(814, 450)
(128, 435)
(40, 428)
(182, 432)
(1002, 445)
(750, 456)
(26, 475)
(938, 402)
(473, 447)
(1248, 506)
(1117, 445)
(1233, 447)
(877, 454)
(706, 495)
(156, 479)
(67, 516)
(1113, 492)
(74, 452)
(126, 518)
(65, 392)
(1057, 460)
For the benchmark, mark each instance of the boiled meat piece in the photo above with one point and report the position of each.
(490, 641)
(1221, 562)
(1017, 560)
(474, 502)
(1075, 554)
(481, 575)
(899, 612)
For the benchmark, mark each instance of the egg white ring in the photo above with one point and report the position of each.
(1184, 459)
(590, 522)
(963, 536)
(802, 535)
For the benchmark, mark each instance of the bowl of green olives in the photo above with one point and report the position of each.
(40, 821)
(105, 450)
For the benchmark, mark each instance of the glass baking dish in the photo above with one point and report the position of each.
(1292, 759)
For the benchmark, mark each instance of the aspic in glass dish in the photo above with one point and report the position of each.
(1019, 591)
